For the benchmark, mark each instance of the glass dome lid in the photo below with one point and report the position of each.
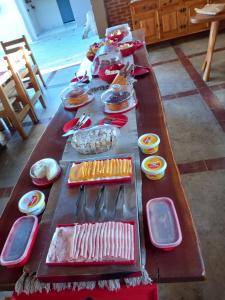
(117, 94)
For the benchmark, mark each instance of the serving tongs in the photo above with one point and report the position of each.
(82, 120)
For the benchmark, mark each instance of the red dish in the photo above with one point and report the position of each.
(82, 79)
(128, 51)
(140, 71)
(117, 37)
(93, 263)
(116, 120)
(138, 44)
(70, 124)
(44, 182)
(109, 78)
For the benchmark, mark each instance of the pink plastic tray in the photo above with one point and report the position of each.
(105, 180)
(21, 238)
(130, 262)
(163, 223)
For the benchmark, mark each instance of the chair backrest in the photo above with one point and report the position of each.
(20, 68)
(15, 45)
(5, 91)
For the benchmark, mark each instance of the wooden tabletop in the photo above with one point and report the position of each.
(199, 18)
(183, 264)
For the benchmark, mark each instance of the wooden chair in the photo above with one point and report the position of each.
(20, 67)
(14, 106)
(14, 45)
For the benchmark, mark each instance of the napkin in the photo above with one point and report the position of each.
(211, 9)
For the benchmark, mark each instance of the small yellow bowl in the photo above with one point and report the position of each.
(149, 143)
(154, 167)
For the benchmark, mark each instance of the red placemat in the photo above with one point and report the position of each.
(117, 120)
(70, 124)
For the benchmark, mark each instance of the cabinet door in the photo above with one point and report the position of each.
(150, 23)
(182, 17)
(191, 12)
(168, 23)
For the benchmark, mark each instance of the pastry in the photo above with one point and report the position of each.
(95, 140)
(77, 97)
(118, 101)
(100, 169)
(122, 80)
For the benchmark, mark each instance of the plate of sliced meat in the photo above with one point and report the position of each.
(93, 243)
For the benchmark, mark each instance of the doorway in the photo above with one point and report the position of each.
(65, 10)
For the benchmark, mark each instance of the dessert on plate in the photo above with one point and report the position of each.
(117, 97)
(75, 94)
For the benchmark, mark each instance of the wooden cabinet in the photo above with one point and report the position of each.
(168, 23)
(148, 21)
(166, 19)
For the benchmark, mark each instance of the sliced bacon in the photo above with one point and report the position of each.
(116, 237)
(79, 242)
(97, 247)
(93, 242)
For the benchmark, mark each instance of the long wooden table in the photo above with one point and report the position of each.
(183, 264)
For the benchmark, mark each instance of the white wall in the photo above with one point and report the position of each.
(29, 19)
(12, 25)
(80, 8)
(100, 16)
(47, 14)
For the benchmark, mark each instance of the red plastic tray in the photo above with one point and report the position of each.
(131, 262)
(15, 238)
(101, 181)
(165, 218)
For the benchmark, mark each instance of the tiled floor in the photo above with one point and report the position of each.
(195, 113)
(195, 117)
(64, 45)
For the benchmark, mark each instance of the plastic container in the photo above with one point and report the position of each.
(154, 167)
(19, 243)
(76, 95)
(163, 224)
(95, 140)
(117, 97)
(149, 143)
(32, 203)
